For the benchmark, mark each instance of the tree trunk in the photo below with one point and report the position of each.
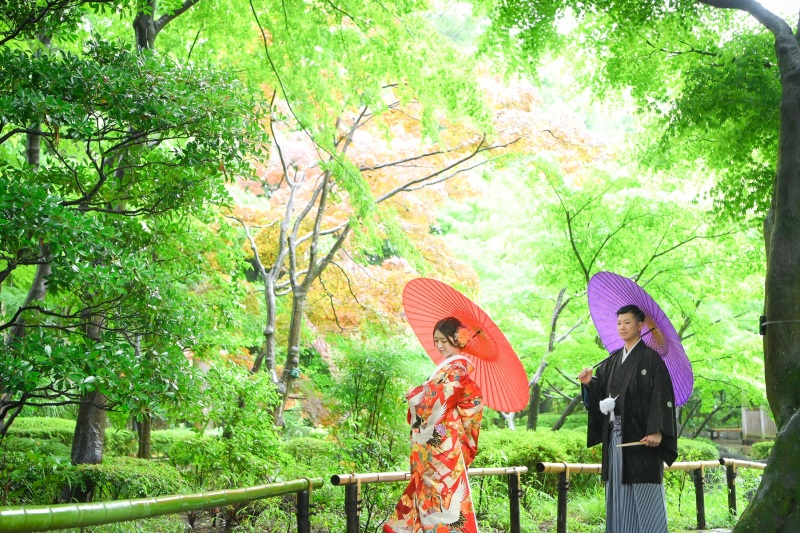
(34, 147)
(145, 27)
(535, 383)
(34, 140)
(87, 444)
(144, 431)
(36, 292)
(267, 356)
(776, 506)
(38, 289)
(292, 366)
(568, 411)
(90, 427)
(533, 406)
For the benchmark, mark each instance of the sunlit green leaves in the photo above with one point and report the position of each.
(687, 67)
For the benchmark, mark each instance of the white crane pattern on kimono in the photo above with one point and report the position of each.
(426, 434)
(453, 511)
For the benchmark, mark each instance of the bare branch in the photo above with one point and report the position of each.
(13, 132)
(260, 267)
(568, 378)
(406, 186)
(570, 330)
(194, 43)
(409, 159)
(330, 299)
(166, 19)
(349, 284)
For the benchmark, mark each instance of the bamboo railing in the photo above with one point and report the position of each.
(22, 519)
(352, 490)
(698, 475)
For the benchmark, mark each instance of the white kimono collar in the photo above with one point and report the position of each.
(447, 362)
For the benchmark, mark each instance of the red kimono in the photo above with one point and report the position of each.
(445, 415)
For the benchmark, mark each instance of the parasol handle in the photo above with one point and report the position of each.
(597, 364)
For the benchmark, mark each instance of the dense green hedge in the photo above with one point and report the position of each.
(527, 448)
(119, 442)
(761, 450)
(696, 450)
(162, 440)
(41, 446)
(122, 478)
(42, 429)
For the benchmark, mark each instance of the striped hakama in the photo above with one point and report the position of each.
(635, 507)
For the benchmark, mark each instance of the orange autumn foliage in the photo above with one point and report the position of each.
(361, 288)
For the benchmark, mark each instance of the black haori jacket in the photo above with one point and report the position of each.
(646, 403)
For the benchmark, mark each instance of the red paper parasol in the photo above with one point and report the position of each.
(498, 370)
(607, 293)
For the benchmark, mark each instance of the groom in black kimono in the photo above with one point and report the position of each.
(631, 400)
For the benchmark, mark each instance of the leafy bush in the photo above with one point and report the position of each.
(121, 478)
(162, 440)
(212, 462)
(370, 432)
(30, 475)
(45, 447)
(761, 450)
(696, 450)
(249, 450)
(197, 458)
(528, 448)
(120, 442)
(315, 456)
(43, 428)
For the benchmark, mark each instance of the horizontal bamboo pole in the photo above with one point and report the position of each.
(570, 468)
(693, 465)
(578, 468)
(21, 519)
(381, 477)
(741, 464)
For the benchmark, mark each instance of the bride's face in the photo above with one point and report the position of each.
(443, 344)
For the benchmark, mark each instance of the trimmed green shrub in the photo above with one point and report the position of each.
(162, 440)
(505, 447)
(120, 443)
(761, 450)
(696, 450)
(578, 420)
(310, 456)
(43, 447)
(44, 428)
(122, 478)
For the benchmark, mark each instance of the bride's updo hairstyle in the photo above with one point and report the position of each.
(449, 328)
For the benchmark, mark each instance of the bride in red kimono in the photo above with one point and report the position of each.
(445, 415)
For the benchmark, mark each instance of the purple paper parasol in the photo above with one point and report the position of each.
(607, 293)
